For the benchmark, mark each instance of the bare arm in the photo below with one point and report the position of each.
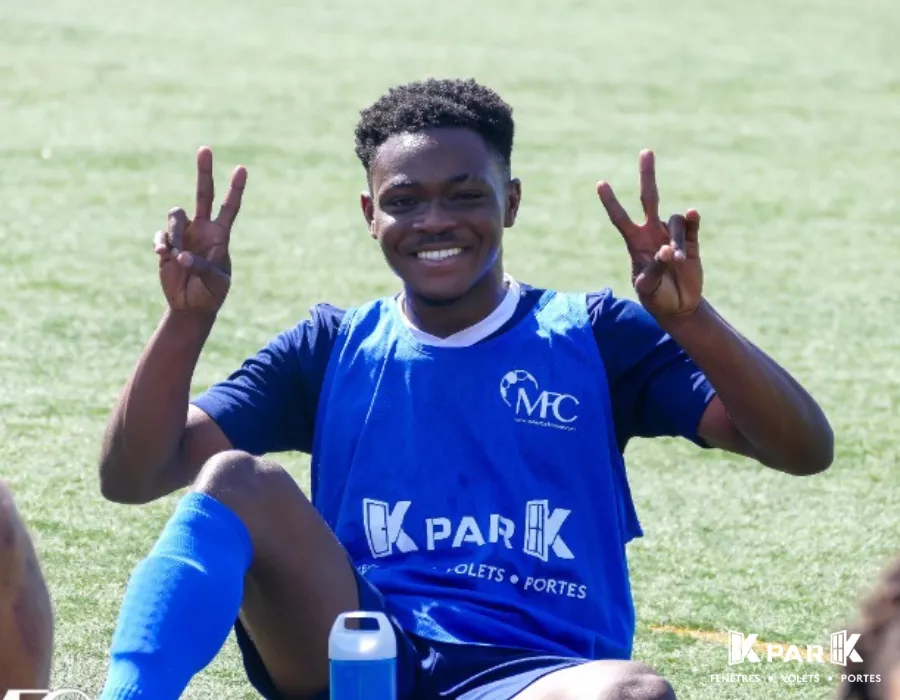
(760, 410)
(154, 444)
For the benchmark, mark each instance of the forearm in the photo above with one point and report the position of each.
(146, 427)
(784, 425)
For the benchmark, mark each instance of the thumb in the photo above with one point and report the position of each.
(649, 279)
(214, 278)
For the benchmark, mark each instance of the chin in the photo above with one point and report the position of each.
(438, 292)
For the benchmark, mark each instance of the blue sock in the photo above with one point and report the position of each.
(181, 602)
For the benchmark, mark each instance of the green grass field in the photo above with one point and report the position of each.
(777, 121)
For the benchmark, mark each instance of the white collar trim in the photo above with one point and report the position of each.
(473, 334)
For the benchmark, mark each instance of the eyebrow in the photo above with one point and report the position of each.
(403, 181)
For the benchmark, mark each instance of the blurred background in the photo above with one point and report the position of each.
(777, 120)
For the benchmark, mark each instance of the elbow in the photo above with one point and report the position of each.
(118, 488)
(816, 457)
(810, 467)
(115, 491)
(122, 494)
(822, 454)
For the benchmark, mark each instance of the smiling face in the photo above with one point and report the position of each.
(439, 202)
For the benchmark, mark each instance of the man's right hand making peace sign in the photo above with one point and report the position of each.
(194, 263)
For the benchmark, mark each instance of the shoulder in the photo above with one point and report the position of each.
(595, 309)
(604, 306)
(625, 332)
(625, 319)
(535, 299)
(604, 309)
(314, 334)
(600, 301)
(317, 336)
(325, 321)
(269, 404)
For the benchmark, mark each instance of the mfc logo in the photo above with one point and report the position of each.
(385, 533)
(519, 390)
(740, 649)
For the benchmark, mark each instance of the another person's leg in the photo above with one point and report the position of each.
(26, 615)
(600, 680)
(245, 541)
(467, 672)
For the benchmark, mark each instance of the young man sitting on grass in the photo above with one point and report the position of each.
(466, 437)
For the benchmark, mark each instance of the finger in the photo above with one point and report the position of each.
(649, 191)
(648, 281)
(178, 223)
(616, 212)
(677, 227)
(161, 243)
(205, 185)
(692, 227)
(231, 205)
(213, 278)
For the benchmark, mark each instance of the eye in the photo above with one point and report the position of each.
(403, 202)
(469, 195)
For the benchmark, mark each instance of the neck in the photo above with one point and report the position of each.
(443, 319)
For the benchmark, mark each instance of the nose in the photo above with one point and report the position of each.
(434, 218)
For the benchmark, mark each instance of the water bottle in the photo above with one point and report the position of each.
(363, 661)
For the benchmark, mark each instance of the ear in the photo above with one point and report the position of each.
(367, 204)
(513, 199)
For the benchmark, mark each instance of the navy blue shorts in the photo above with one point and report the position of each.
(429, 670)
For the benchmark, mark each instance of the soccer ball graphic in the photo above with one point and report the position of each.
(511, 380)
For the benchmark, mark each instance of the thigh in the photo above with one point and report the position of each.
(600, 680)
(300, 579)
(26, 618)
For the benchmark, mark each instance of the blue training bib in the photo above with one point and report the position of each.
(480, 489)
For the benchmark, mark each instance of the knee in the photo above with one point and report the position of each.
(19, 567)
(11, 527)
(26, 614)
(248, 485)
(7, 505)
(639, 682)
(230, 471)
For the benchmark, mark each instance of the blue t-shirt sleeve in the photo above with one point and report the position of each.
(270, 403)
(655, 388)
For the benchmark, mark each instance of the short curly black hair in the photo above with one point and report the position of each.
(436, 103)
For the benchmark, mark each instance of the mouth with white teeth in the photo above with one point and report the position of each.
(438, 255)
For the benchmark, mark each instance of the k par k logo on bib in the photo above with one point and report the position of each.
(540, 535)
